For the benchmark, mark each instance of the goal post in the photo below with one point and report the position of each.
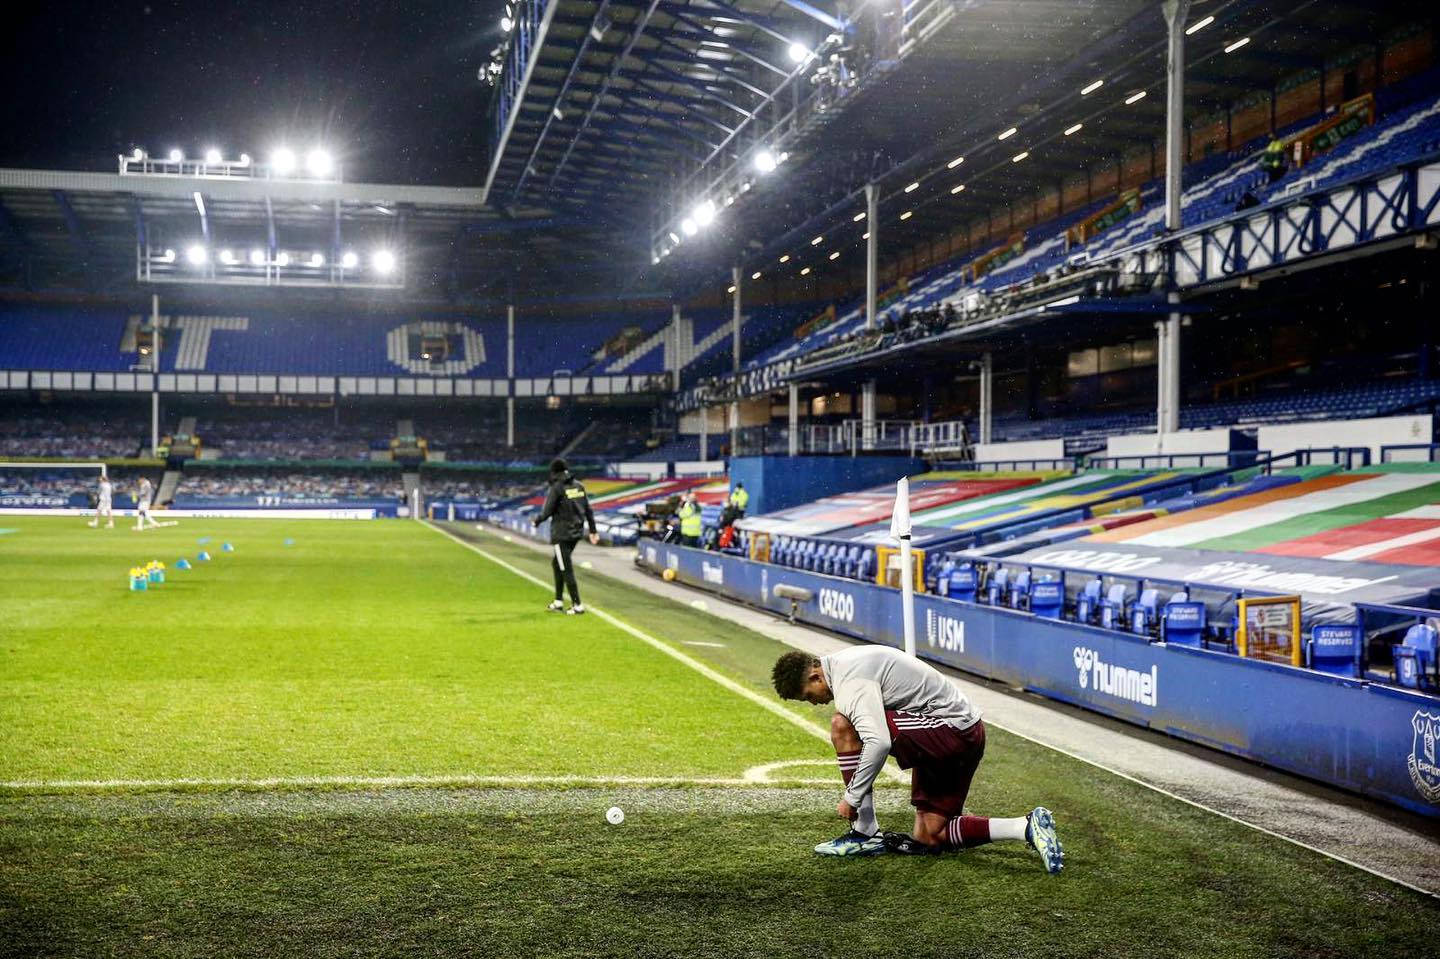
(71, 486)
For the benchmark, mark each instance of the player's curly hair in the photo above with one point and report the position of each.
(790, 672)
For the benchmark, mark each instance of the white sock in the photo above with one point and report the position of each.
(1007, 829)
(865, 820)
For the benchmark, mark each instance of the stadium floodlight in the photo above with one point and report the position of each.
(244, 159)
(1198, 25)
(138, 155)
(227, 257)
(1090, 88)
(912, 187)
(383, 261)
(177, 155)
(319, 162)
(1074, 129)
(785, 258)
(257, 257)
(506, 24)
(672, 236)
(729, 199)
(805, 272)
(957, 188)
(1007, 134)
(729, 289)
(168, 256)
(835, 255)
(283, 161)
(764, 162)
(1135, 97)
(817, 241)
(1237, 45)
(282, 258)
(1020, 156)
(213, 157)
(317, 260)
(704, 213)
(196, 255)
(799, 53)
(349, 260)
(907, 214)
(858, 217)
(954, 163)
(688, 227)
(865, 235)
(755, 275)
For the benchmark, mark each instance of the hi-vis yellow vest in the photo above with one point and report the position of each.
(689, 519)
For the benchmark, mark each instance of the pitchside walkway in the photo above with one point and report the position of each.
(1377, 838)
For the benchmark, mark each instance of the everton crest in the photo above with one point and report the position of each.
(1424, 772)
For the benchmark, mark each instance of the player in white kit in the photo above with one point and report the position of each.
(102, 503)
(143, 495)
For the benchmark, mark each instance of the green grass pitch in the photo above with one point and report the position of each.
(200, 771)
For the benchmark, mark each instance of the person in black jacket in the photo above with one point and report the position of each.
(569, 513)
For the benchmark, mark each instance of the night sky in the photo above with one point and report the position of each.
(389, 88)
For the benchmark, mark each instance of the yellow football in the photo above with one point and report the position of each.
(668, 576)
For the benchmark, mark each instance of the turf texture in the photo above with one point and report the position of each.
(384, 649)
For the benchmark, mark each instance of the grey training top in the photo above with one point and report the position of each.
(867, 681)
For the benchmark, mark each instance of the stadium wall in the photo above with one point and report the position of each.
(1365, 737)
(779, 482)
(1369, 433)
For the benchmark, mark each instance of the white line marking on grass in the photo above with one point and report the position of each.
(695, 664)
(664, 647)
(761, 774)
(696, 642)
(1218, 812)
(381, 782)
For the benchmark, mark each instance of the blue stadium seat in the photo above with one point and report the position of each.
(1019, 596)
(998, 586)
(1145, 613)
(1183, 622)
(1415, 658)
(1336, 648)
(964, 581)
(1087, 604)
(865, 572)
(1047, 598)
(1112, 607)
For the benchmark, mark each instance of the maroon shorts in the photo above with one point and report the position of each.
(943, 758)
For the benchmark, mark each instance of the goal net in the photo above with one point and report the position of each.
(57, 486)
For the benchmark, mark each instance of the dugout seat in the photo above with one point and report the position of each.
(1087, 604)
(1415, 658)
(829, 553)
(964, 581)
(1112, 607)
(1047, 598)
(997, 587)
(852, 562)
(1145, 613)
(865, 571)
(1183, 622)
(1019, 595)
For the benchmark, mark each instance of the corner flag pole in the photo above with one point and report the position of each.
(900, 530)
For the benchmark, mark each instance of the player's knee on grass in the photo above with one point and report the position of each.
(842, 734)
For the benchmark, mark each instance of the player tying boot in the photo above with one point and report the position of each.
(889, 703)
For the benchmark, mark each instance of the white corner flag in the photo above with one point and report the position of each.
(900, 530)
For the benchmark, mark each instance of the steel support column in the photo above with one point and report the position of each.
(155, 376)
(794, 419)
(987, 378)
(872, 250)
(735, 348)
(867, 415)
(1167, 417)
(510, 375)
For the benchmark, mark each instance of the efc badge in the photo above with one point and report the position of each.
(1424, 772)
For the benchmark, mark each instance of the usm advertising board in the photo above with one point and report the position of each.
(1361, 736)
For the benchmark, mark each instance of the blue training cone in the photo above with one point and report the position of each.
(182, 563)
(204, 557)
(227, 548)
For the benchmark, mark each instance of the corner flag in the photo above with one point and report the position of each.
(900, 518)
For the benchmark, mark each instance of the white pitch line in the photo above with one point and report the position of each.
(687, 642)
(666, 648)
(383, 782)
